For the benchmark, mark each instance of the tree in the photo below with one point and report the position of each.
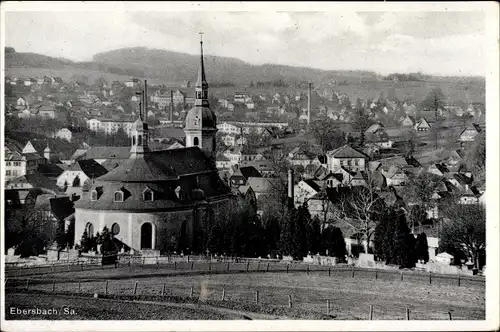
(220, 146)
(333, 243)
(286, 244)
(421, 187)
(475, 157)
(361, 122)
(464, 230)
(404, 243)
(422, 248)
(435, 101)
(384, 247)
(360, 207)
(327, 135)
(416, 215)
(410, 142)
(85, 242)
(61, 238)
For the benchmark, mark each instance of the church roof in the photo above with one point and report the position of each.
(158, 166)
(201, 117)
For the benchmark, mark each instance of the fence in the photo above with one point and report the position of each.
(232, 295)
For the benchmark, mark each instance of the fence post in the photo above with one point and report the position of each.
(191, 292)
(449, 315)
(370, 316)
(267, 268)
(192, 266)
(53, 286)
(106, 288)
(163, 290)
(175, 265)
(287, 266)
(430, 278)
(458, 278)
(27, 284)
(401, 275)
(143, 261)
(307, 269)
(352, 275)
(157, 263)
(258, 266)
(327, 307)
(376, 274)
(248, 264)
(407, 313)
(210, 265)
(257, 296)
(135, 287)
(79, 286)
(227, 266)
(223, 293)
(290, 305)
(329, 271)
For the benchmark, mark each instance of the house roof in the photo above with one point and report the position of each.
(313, 184)
(346, 151)
(61, 207)
(106, 152)
(89, 167)
(37, 181)
(262, 185)
(249, 171)
(51, 170)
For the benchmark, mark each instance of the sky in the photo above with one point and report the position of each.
(433, 42)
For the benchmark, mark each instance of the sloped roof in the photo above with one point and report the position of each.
(346, 151)
(50, 170)
(106, 152)
(37, 180)
(261, 185)
(313, 184)
(249, 171)
(61, 207)
(89, 167)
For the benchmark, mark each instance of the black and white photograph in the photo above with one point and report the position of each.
(269, 166)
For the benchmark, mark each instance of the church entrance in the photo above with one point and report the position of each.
(147, 236)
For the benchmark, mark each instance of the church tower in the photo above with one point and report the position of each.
(201, 122)
(140, 132)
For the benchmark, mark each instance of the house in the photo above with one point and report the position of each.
(469, 134)
(470, 196)
(241, 175)
(45, 80)
(347, 157)
(394, 176)
(262, 186)
(241, 153)
(300, 157)
(408, 121)
(228, 128)
(57, 81)
(78, 173)
(64, 133)
(222, 162)
(305, 189)
(334, 180)
(423, 125)
(46, 111)
(240, 97)
(29, 82)
(132, 83)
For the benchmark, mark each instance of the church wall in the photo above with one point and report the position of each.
(166, 226)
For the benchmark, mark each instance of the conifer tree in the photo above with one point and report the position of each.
(422, 248)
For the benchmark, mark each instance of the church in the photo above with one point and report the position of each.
(155, 199)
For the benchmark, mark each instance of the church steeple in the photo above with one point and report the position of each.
(201, 87)
(140, 132)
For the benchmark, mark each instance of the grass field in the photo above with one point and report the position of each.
(350, 297)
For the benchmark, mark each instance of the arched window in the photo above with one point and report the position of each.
(146, 236)
(147, 195)
(90, 229)
(118, 196)
(94, 195)
(115, 229)
(133, 140)
(196, 141)
(139, 140)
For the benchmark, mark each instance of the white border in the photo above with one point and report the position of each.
(492, 116)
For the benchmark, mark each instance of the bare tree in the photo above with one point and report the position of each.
(359, 207)
(465, 230)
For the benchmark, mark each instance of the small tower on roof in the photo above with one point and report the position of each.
(201, 122)
(47, 153)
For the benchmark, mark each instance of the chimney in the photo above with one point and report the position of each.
(145, 100)
(171, 106)
(309, 103)
(290, 188)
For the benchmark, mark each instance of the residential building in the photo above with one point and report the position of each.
(133, 83)
(469, 134)
(64, 133)
(346, 157)
(423, 125)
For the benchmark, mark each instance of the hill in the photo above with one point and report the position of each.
(174, 68)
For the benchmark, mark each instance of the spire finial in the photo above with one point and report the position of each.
(201, 36)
